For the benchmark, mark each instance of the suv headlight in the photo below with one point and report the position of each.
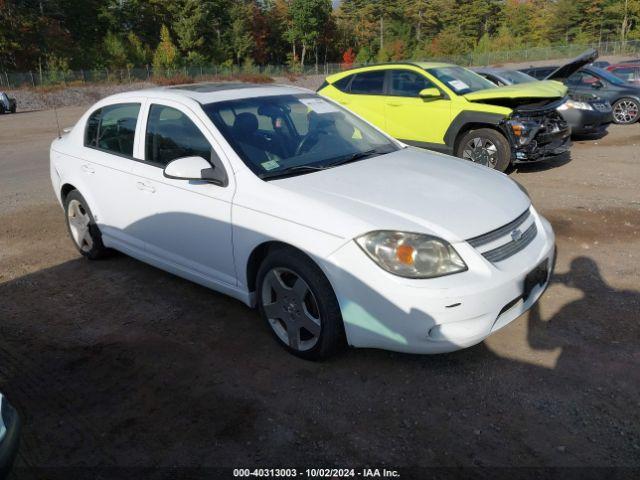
(574, 104)
(411, 255)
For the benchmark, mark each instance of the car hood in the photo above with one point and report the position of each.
(569, 68)
(520, 91)
(410, 190)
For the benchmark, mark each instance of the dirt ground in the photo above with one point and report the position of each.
(118, 363)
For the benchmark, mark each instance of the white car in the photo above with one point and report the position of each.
(288, 202)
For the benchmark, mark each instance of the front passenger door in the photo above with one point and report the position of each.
(189, 229)
(409, 117)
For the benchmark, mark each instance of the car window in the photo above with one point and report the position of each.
(406, 83)
(625, 73)
(368, 83)
(343, 83)
(171, 134)
(113, 128)
(582, 79)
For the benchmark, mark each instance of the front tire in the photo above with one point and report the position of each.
(298, 304)
(485, 146)
(626, 111)
(82, 227)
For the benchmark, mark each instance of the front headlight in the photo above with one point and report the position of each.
(411, 255)
(574, 104)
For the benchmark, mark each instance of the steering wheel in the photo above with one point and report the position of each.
(308, 142)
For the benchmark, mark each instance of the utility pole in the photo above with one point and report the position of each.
(381, 32)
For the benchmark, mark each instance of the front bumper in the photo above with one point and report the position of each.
(10, 426)
(587, 122)
(438, 315)
(543, 147)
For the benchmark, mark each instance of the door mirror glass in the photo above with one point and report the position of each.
(195, 168)
(429, 93)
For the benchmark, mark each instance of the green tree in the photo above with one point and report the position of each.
(308, 18)
(241, 37)
(166, 54)
(115, 51)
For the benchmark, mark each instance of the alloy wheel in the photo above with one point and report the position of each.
(291, 309)
(481, 150)
(625, 111)
(79, 221)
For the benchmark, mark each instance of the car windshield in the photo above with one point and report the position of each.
(608, 76)
(286, 135)
(514, 77)
(460, 80)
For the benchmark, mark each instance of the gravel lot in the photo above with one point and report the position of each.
(118, 363)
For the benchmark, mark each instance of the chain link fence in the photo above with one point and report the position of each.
(40, 78)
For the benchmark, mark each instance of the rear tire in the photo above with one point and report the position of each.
(298, 304)
(485, 146)
(626, 111)
(82, 227)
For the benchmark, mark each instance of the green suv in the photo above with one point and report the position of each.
(450, 109)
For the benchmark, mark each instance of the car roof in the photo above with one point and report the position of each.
(211, 92)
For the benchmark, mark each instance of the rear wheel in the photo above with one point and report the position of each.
(486, 147)
(83, 229)
(626, 111)
(298, 304)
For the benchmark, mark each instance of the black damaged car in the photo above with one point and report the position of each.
(589, 80)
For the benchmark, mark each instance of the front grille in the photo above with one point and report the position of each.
(499, 232)
(508, 237)
(514, 246)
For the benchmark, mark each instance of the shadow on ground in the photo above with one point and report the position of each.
(118, 363)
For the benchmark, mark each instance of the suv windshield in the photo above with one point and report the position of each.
(287, 135)
(460, 80)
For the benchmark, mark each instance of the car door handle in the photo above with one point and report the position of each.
(393, 104)
(88, 168)
(343, 102)
(145, 187)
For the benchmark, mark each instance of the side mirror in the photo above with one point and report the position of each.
(196, 168)
(429, 93)
(597, 84)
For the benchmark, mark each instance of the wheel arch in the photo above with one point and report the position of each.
(469, 120)
(261, 251)
(474, 126)
(65, 190)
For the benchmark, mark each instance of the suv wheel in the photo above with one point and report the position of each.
(486, 147)
(83, 229)
(626, 111)
(298, 304)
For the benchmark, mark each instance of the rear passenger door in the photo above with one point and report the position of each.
(364, 95)
(109, 146)
(188, 228)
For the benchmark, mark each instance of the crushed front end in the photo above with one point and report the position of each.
(537, 132)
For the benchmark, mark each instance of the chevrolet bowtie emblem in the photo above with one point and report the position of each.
(516, 235)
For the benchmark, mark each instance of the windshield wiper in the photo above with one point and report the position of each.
(292, 171)
(354, 157)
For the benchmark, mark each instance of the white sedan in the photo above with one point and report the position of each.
(284, 200)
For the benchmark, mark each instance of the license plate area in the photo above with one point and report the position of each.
(537, 276)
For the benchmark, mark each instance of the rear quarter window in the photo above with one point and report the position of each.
(112, 128)
(343, 83)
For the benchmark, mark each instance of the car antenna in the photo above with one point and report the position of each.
(55, 112)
